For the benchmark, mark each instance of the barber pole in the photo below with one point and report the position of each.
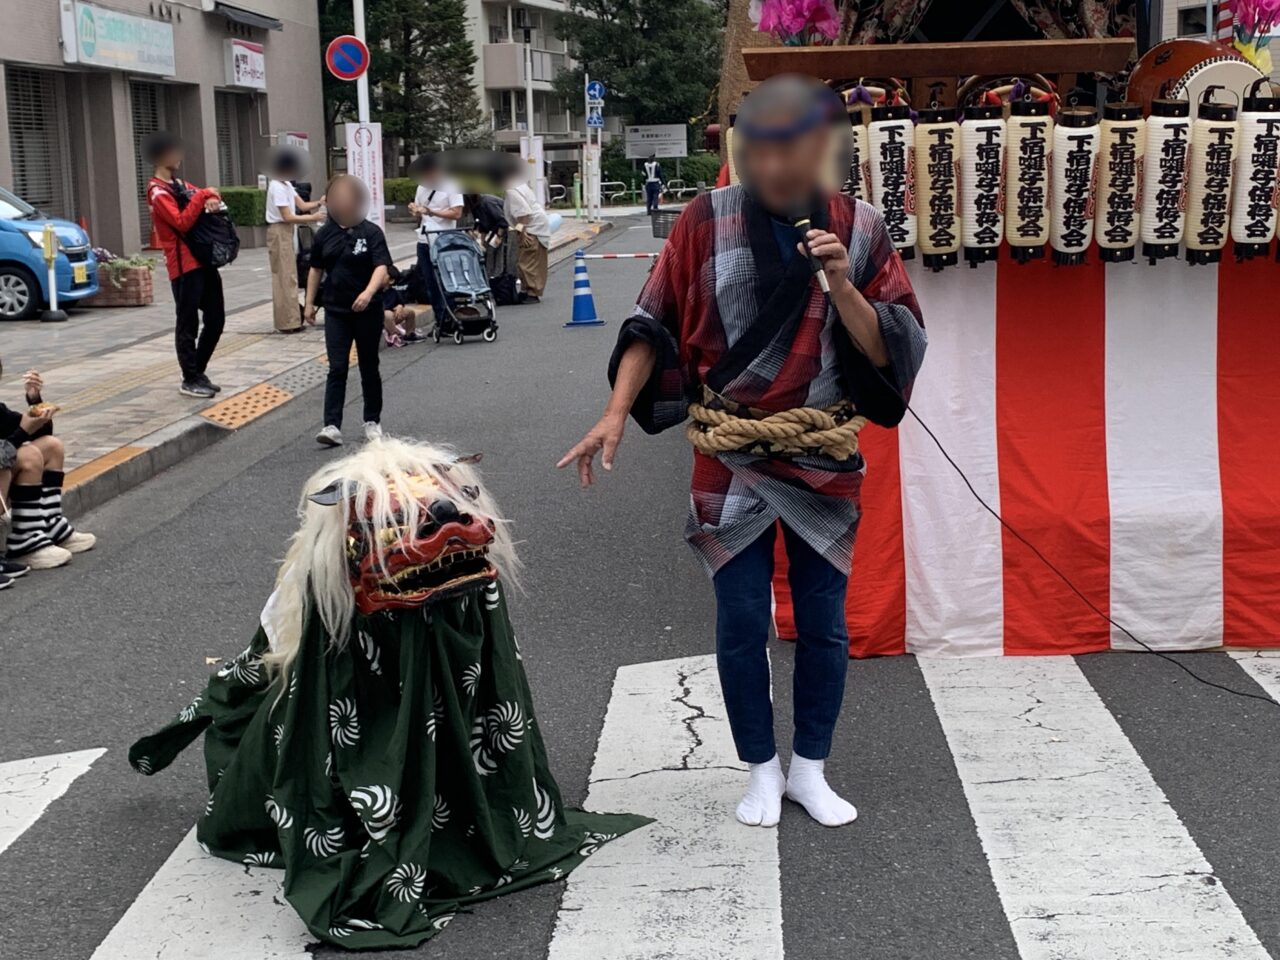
(1162, 218)
(1076, 140)
(1214, 136)
(1030, 141)
(937, 187)
(982, 138)
(1253, 204)
(1119, 175)
(892, 162)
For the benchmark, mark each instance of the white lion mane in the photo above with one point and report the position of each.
(317, 554)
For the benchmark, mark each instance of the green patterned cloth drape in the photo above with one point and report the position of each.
(397, 781)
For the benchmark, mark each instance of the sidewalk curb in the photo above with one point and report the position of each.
(142, 461)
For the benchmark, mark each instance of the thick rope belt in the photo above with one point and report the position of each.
(800, 431)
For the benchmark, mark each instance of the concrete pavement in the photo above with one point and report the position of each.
(112, 371)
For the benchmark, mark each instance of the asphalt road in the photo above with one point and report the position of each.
(98, 653)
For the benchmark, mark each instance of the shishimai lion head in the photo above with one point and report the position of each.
(395, 525)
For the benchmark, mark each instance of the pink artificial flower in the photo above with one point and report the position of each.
(1246, 13)
(789, 18)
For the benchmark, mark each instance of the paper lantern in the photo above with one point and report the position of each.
(1123, 140)
(891, 139)
(855, 184)
(1076, 140)
(1029, 139)
(1253, 202)
(1162, 217)
(1214, 136)
(938, 187)
(982, 182)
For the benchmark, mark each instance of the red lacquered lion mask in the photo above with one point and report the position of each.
(429, 545)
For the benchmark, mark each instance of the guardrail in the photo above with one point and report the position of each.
(681, 191)
(557, 193)
(611, 195)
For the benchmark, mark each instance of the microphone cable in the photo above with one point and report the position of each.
(802, 225)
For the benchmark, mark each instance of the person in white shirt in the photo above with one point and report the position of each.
(285, 209)
(652, 184)
(528, 218)
(438, 203)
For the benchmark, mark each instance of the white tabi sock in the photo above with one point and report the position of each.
(761, 806)
(807, 786)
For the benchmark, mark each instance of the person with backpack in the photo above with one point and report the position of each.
(193, 231)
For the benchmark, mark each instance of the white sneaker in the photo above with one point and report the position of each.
(78, 542)
(46, 558)
(330, 436)
(372, 430)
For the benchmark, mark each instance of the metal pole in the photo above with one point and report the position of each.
(362, 84)
(528, 83)
(1210, 21)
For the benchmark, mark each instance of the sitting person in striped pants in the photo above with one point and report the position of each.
(31, 460)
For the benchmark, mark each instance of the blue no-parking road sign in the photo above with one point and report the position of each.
(347, 57)
(595, 90)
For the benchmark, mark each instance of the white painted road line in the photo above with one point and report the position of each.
(696, 884)
(199, 907)
(27, 787)
(1263, 666)
(1087, 855)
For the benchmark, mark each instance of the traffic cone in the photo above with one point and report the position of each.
(584, 305)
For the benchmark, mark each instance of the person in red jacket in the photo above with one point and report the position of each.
(197, 289)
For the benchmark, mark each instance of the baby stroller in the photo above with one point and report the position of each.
(464, 288)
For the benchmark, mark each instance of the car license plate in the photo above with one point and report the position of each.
(79, 273)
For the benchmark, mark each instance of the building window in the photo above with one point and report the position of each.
(147, 103)
(39, 138)
(226, 109)
(1191, 22)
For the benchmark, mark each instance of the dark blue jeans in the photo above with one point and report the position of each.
(434, 295)
(651, 197)
(743, 616)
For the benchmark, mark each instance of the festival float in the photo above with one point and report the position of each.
(1099, 277)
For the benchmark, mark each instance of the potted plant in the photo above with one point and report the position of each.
(123, 281)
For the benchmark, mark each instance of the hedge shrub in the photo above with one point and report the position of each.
(399, 189)
(247, 206)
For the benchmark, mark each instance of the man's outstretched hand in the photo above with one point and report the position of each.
(603, 438)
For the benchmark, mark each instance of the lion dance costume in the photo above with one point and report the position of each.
(377, 738)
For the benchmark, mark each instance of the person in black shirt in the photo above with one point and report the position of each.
(349, 261)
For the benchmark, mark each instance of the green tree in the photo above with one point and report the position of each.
(421, 78)
(660, 59)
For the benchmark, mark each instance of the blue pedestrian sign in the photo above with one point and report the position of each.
(594, 117)
(595, 90)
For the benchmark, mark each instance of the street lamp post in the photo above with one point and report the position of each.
(528, 81)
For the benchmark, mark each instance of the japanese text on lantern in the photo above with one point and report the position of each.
(941, 168)
(1121, 185)
(1264, 161)
(1171, 197)
(1212, 227)
(897, 201)
(1033, 172)
(1077, 191)
(989, 170)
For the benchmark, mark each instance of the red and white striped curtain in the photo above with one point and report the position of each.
(1124, 418)
(1226, 21)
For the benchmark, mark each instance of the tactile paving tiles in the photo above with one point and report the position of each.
(235, 412)
(302, 377)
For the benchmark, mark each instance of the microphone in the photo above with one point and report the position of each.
(803, 225)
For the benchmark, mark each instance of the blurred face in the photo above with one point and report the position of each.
(347, 202)
(170, 159)
(784, 174)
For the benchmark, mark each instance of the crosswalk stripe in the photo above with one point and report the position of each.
(1088, 857)
(696, 884)
(1263, 666)
(199, 907)
(27, 787)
